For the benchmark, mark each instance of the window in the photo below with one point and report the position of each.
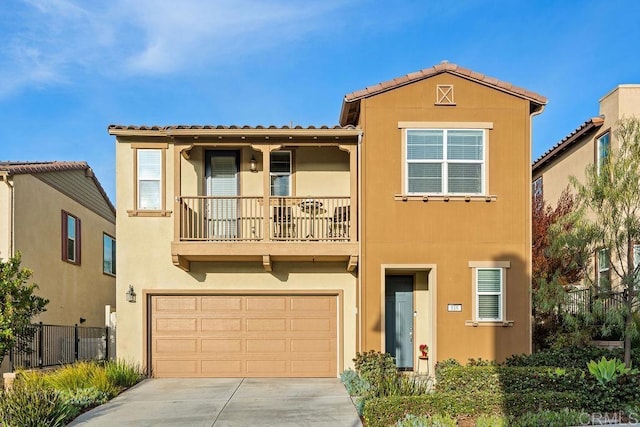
(149, 179)
(604, 271)
(445, 161)
(281, 173)
(70, 238)
(636, 261)
(489, 290)
(537, 188)
(108, 254)
(602, 146)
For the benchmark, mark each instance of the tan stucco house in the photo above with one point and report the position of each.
(283, 251)
(61, 220)
(588, 144)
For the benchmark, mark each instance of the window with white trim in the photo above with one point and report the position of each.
(70, 238)
(636, 261)
(280, 171)
(604, 271)
(603, 145)
(445, 161)
(489, 294)
(108, 254)
(149, 179)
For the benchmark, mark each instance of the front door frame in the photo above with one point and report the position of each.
(420, 335)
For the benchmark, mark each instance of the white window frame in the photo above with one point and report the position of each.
(599, 142)
(601, 270)
(445, 162)
(158, 179)
(276, 174)
(111, 272)
(500, 295)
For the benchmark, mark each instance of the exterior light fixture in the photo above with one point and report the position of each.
(131, 294)
(253, 164)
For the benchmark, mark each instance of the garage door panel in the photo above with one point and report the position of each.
(176, 304)
(266, 304)
(221, 346)
(250, 335)
(172, 324)
(219, 304)
(221, 324)
(266, 346)
(173, 345)
(266, 325)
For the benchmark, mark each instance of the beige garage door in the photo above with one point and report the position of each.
(244, 336)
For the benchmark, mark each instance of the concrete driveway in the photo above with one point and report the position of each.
(228, 402)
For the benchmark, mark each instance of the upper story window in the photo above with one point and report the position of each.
(149, 185)
(603, 145)
(70, 238)
(445, 161)
(108, 254)
(280, 168)
(536, 189)
(604, 271)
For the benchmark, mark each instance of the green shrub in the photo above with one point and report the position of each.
(354, 383)
(569, 357)
(606, 370)
(84, 398)
(492, 421)
(123, 374)
(616, 395)
(444, 364)
(505, 379)
(378, 369)
(28, 405)
(385, 411)
(427, 421)
(564, 418)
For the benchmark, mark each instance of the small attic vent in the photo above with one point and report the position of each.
(444, 95)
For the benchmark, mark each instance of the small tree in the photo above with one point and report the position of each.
(553, 271)
(18, 304)
(609, 209)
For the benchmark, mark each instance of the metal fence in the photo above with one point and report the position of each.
(583, 300)
(50, 345)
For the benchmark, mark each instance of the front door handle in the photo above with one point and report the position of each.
(410, 335)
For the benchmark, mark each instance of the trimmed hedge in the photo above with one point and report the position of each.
(382, 412)
(570, 357)
(504, 379)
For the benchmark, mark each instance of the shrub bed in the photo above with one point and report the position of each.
(387, 411)
(570, 357)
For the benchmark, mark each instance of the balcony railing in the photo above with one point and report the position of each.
(240, 218)
(583, 300)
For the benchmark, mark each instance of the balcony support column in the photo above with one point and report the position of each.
(353, 190)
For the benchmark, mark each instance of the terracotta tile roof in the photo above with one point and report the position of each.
(350, 104)
(224, 127)
(567, 142)
(17, 168)
(23, 168)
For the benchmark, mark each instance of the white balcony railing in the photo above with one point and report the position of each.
(224, 219)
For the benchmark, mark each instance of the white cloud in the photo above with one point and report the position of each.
(55, 41)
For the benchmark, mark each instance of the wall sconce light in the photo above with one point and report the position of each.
(131, 294)
(82, 320)
(253, 164)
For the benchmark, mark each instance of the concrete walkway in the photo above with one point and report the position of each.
(228, 402)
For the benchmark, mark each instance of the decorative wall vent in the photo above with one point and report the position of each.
(444, 95)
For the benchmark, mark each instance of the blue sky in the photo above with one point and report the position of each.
(69, 68)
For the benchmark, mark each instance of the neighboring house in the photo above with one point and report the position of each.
(282, 251)
(589, 144)
(59, 217)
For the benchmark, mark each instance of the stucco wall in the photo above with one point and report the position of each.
(448, 234)
(75, 291)
(144, 251)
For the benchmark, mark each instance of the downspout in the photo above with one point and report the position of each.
(359, 231)
(530, 213)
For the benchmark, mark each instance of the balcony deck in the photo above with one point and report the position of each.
(289, 229)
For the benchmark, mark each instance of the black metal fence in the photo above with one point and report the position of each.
(584, 300)
(51, 345)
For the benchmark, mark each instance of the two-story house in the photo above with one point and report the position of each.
(282, 251)
(589, 144)
(59, 217)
